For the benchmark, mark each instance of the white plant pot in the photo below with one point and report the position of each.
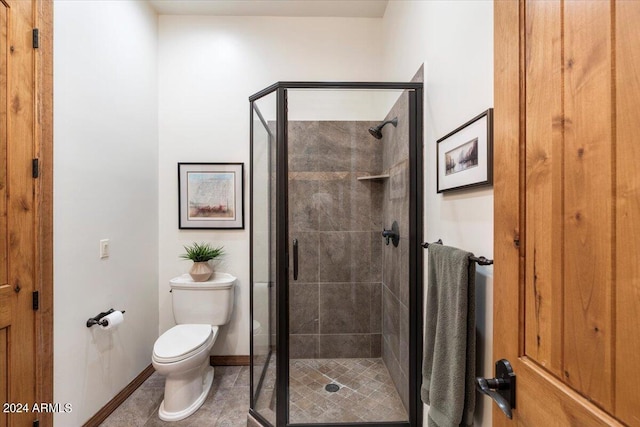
(201, 271)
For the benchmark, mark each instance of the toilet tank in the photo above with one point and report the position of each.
(209, 302)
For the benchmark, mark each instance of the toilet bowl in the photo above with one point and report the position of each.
(181, 354)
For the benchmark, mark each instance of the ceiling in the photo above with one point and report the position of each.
(333, 8)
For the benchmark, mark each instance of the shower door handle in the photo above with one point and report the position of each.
(295, 259)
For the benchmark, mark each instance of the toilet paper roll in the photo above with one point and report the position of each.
(112, 320)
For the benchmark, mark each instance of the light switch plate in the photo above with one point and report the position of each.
(104, 248)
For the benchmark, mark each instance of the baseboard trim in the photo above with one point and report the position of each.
(119, 398)
(230, 360)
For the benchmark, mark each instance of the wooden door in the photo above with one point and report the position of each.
(567, 209)
(22, 221)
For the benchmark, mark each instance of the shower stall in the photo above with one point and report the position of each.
(336, 262)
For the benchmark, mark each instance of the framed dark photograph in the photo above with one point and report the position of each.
(465, 156)
(211, 195)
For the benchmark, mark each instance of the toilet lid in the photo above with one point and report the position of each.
(181, 341)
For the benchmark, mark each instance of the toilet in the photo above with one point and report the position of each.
(181, 354)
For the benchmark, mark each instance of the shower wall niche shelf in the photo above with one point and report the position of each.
(373, 177)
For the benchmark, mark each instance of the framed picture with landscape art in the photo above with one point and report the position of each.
(465, 156)
(211, 195)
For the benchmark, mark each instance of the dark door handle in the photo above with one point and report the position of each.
(485, 385)
(295, 259)
(504, 385)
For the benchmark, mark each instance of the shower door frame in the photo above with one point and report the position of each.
(416, 259)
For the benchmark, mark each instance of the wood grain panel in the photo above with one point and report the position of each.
(544, 190)
(581, 132)
(6, 297)
(588, 284)
(44, 144)
(555, 405)
(507, 131)
(5, 290)
(21, 210)
(4, 375)
(3, 145)
(627, 212)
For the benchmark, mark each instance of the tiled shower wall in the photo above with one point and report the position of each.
(336, 303)
(395, 263)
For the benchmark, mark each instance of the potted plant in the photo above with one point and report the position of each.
(201, 254)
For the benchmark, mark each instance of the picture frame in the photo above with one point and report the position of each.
(465, 156)
(211, 196)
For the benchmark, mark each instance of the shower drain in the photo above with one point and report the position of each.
(332, 388)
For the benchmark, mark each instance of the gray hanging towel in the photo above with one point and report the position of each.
(448, 368)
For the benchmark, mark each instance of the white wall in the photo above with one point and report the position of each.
(208, 67)
(105, 186)
(454, 39)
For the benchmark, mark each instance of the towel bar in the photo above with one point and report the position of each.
(480, 260)
(426, 244)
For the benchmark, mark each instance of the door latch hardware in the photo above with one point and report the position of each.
(502, 388)
(35, 300)
(35, 168)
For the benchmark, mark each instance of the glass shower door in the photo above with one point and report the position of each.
(348, 327)
(263, 283)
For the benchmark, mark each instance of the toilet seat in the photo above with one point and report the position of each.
(183, 341)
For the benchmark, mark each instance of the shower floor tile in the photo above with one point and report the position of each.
(366, 392)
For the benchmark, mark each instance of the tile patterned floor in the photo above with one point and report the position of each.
(366, 391)
(366, 394)
(226, 406)
(266, 402)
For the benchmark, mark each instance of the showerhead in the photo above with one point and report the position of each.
(376, 131)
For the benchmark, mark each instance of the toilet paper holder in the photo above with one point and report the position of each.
(98, 319)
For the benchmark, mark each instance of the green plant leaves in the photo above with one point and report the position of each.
(200, 252)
